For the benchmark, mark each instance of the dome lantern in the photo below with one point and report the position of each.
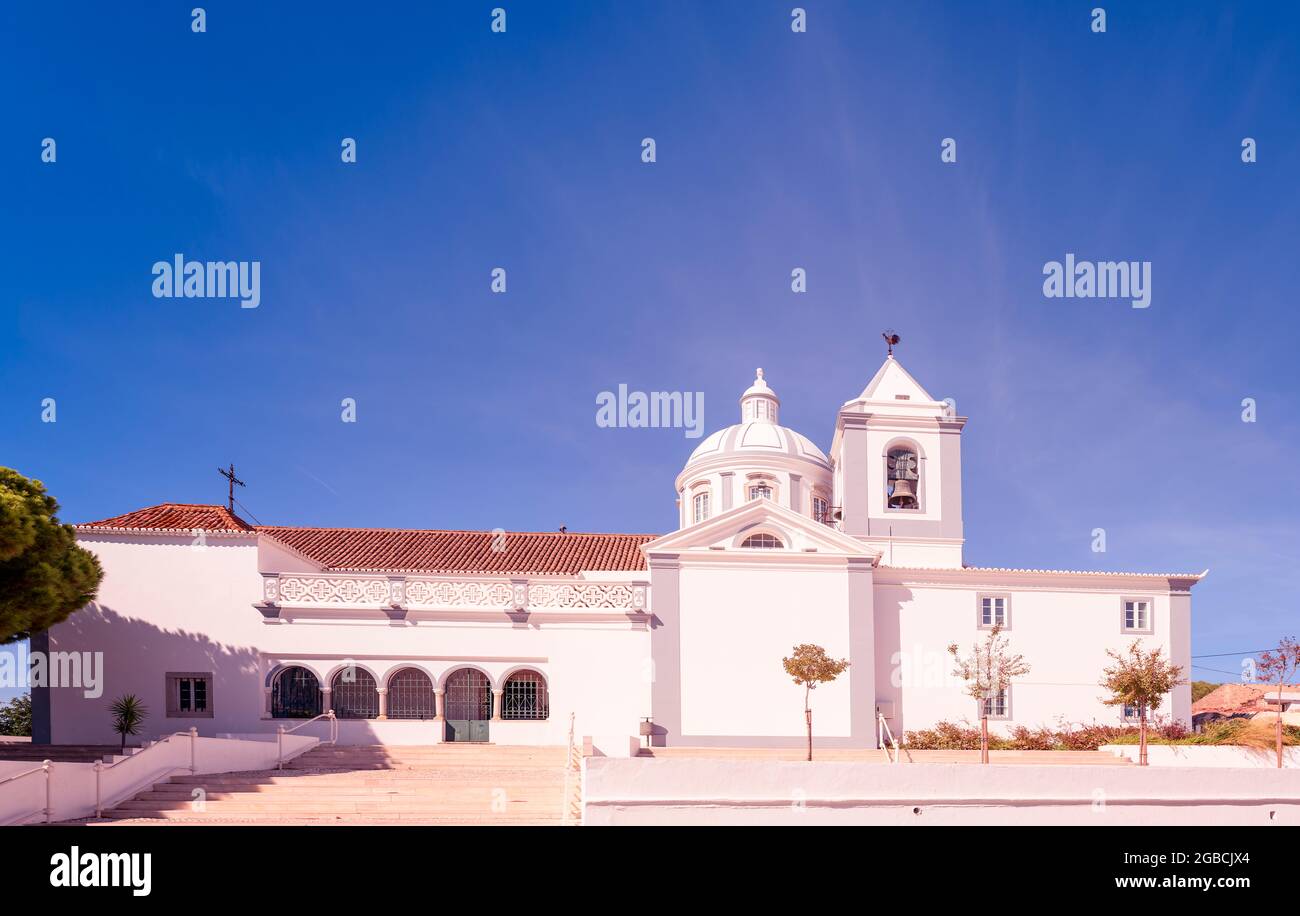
(759, 403)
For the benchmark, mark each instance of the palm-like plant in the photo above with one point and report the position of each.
(129, 714)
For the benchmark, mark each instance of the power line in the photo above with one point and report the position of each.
(1230, 654)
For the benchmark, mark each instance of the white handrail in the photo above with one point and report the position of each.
(45, 769)
(568, 772)
(883, 732)
(282, 731)
(192, 734)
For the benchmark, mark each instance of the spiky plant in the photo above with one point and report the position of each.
(129, 714)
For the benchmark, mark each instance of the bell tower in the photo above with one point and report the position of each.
(897, 459)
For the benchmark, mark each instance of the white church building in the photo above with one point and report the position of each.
(423, 636)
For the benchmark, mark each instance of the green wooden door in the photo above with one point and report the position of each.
(468, 705)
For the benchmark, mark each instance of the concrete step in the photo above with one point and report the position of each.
(159, 818)
(436, 784)
(483, 807)
(447, 791)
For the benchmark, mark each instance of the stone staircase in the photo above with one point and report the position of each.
(435, 784)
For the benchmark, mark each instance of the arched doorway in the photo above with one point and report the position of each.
(295, 694)
(468, 705)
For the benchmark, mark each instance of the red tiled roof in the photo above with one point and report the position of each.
(1239, 697)
(545, 553)
(175, 517)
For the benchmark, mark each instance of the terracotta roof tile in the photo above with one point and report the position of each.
(546, 553)
(175, 517)
(1239, 697)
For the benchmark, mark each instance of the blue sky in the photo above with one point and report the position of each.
(775, 150)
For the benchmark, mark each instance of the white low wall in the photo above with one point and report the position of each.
(717, 791)
(1211, 755)
(72, 785)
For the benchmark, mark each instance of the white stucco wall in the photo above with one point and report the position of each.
(1063, 631)
(167, 606)
(737, 623)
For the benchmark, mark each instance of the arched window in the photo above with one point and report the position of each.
(903, 477)
(525, 697)
(701, 506)
(763, 542)
(353, 694)
(410, 695)
(295, 694)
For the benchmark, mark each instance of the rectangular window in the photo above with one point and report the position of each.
(1137, 615)
(701, 507)
(189, 695)
(762, 491)
(820, 512)
(994, 611)
(1131, 712)
(995, 707)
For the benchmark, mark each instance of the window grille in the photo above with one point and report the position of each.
(410, 695)
(354, 696)
(295, 695)
(763, 542)
(525, 697)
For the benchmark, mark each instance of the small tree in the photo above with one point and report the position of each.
(44, 575)
(1279, 666)
(16, 717)
(810, 666)
(1140, 679)
(128, 716)
(987, 671)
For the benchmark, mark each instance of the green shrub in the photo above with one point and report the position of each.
(948, 736)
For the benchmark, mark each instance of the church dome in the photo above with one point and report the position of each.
(758, 434)
(756, 458)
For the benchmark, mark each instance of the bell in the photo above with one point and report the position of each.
(903, 496)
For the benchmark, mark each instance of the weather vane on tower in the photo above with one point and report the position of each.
(891, 339)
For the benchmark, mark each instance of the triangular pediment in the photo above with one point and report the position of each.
(798, 533)
(893, 383)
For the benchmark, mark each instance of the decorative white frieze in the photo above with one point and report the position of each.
(346, 591)
(423, 593)
(449, 593)
(582, 595)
